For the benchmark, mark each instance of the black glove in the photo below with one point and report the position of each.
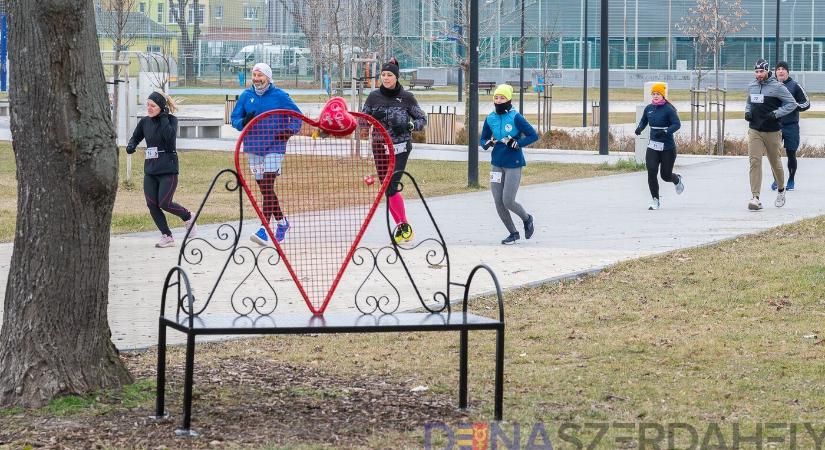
(248, 118)
(748, 116)
(490, 143)
(512, 143)
(658, 135)
(410, 126)
(638, 131)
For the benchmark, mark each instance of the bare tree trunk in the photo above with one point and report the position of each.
(55, 337)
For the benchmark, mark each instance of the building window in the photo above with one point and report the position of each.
(160, 13)
(153, 48)
(173, 14)
(142, 8)
(123, 48)
(217, 12)
(250, 13)
(190, 16)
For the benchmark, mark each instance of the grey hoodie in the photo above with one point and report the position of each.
(768, 101)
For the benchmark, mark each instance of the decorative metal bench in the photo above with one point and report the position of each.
(253, 309)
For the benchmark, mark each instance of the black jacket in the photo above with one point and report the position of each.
(395, 113)
(159, 131)
(802, 102)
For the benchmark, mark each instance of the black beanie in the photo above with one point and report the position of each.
(159, 99)
(761, 64)
(782, 64)
(390, 67)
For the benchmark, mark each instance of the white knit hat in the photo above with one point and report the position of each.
(264, 69)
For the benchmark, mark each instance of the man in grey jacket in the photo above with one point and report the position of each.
(767, 101)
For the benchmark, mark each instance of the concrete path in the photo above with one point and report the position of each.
(582, 225)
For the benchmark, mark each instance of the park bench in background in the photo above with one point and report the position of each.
(199, 297)
(524, 87)
(487, 86)
(422, 82)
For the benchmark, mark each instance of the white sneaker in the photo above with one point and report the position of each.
(191, 227)
(654, 204)
(165, 241)
(755, 204)
(780, 200)
(680, 186)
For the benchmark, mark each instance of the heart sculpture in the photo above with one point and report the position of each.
(315, 195)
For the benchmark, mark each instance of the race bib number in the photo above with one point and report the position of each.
(495, 177)
(658, 146)
(757, 98)
(257, 169)
(400, 148)
(152, 153)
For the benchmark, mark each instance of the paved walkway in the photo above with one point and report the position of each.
(582, 225)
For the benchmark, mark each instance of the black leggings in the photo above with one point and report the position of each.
(159, 190)
(791, 164)
(653, 159)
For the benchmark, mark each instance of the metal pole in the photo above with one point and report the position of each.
(584, 66)
(521, 65)
(604, 82)
(471, 116)
(460, 49)
(776, 58)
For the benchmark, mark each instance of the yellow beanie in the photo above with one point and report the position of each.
(659, 88)
(504, 89)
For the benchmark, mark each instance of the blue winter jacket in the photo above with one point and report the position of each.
(269, 135)
(510, 124)
(802, 102)
(663, 121)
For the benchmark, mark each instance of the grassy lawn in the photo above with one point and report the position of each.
(199, 167)
(718, 337)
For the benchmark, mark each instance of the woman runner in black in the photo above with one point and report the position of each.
(160, 128)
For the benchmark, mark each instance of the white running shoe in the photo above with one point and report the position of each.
(680, 186)
(165, 241)
(654, 204)
(780, 200)
(754, 204)
(191, 227)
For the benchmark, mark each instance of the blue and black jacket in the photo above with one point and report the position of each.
(802, 102)
(510, 124)
(663, 121)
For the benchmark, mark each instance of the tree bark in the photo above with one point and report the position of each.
(55, 337)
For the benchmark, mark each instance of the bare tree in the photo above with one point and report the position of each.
(309, 16)
(55, 337)
(114, 19)
(709, 23)
(188, 43)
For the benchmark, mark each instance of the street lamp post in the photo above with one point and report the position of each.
(584, 66)
(776, 58)
(521, 65)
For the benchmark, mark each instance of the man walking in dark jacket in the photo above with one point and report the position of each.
(767, 101)
(790, 123)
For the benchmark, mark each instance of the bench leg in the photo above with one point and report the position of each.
(186, 429)
(462, 370)
(160, 392)
(499, 388)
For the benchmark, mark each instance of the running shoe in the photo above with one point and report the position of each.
(165, 241)
(260, 237)
(191, 227)
(774, 186)
(780, 200)
(403, 233)
(529, 227)
(654, 204)
(281, 229)
(511, 239)
(680, 186)
(791, 186)
(755, 204)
